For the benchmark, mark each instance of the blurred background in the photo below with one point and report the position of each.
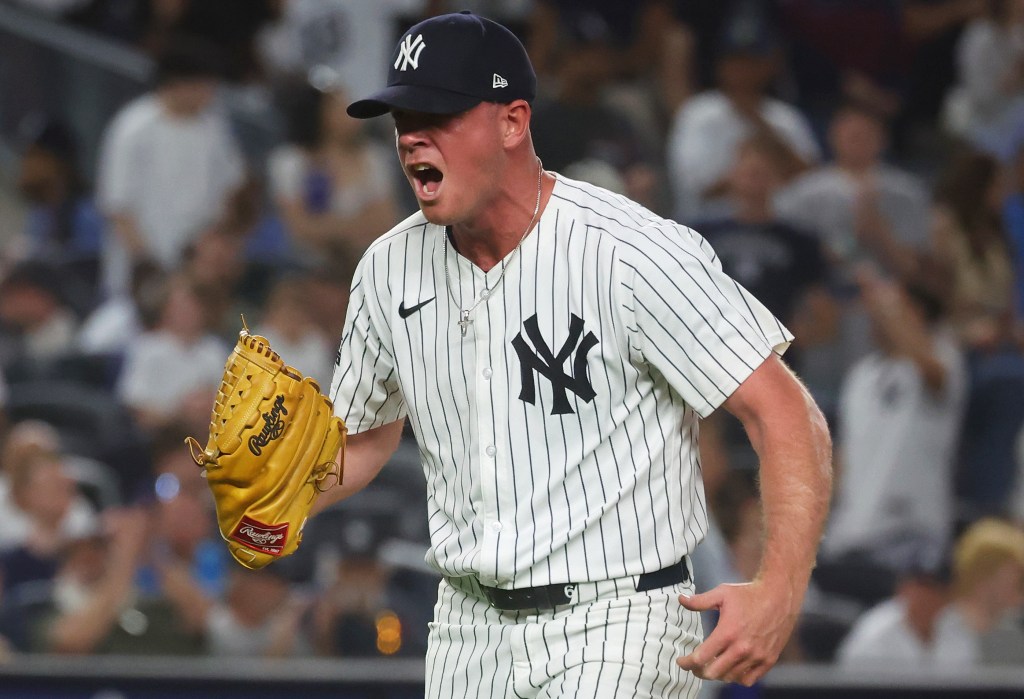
(168, 164)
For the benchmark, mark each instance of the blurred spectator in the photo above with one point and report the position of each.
(34, 315)
(933, 28)
(261, 616)
(599, 172)
(864, 208)
(63, 227)
(168, 164)
(93, 606)
(710, 126)
(650, 51)
(230, 24)
(230, 287)
(293, 333)
(971, 242)
(353, 37)
(783, 266)
(3, 406)
(987, 104)
(1017, 501)
(29, 457)
(1013, 219)
(988, 595)
(577, 121)
(49, 515)
(187, 559)
(898, 426)
(371, 608)
(331, 183)
(738, 511)
(114, 325)
(847, 51)
(328, 300)
(904, 631)
(969, 239)
(171, 373)
(25, 439)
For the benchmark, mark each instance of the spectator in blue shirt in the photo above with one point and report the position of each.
(63, 226)
(1013, 220)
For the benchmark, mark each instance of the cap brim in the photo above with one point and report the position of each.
(414, 98)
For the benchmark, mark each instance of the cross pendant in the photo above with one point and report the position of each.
(464, 322)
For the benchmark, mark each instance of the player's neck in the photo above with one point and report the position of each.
(488, 238)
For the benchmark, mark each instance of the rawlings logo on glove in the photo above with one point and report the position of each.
(274, 441)
(273, 427)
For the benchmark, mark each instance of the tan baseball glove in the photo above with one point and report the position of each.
(274, 442)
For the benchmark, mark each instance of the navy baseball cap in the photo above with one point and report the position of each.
(451, 63)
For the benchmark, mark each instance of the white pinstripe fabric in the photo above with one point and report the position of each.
(521, 494)
(615, 644)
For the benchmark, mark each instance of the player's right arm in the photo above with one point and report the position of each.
(365, 455)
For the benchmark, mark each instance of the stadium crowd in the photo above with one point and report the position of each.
(858, 166)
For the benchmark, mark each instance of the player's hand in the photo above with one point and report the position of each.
(755, 621)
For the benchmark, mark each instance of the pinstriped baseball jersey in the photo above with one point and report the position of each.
(559, 433)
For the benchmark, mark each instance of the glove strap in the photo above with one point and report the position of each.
(197, 452)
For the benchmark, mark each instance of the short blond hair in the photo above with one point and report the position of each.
(984, 548)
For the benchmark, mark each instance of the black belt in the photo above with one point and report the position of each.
(550, 596)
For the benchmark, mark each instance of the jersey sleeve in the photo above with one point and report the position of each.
(694, 324)
(365, 387)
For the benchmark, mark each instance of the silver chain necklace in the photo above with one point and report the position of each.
(464, 321)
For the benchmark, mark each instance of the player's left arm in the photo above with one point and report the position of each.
(790, 436)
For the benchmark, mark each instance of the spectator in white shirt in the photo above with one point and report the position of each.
(351, 37)
(37, 499)
(38, 322)
(710, 127)
(120, 319)
(168, 164)
(171, 373)
(900, 415)
(905, 631)
(987, 104)
(862, 207)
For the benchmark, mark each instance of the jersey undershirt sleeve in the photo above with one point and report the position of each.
(365, 387)
(695, 325)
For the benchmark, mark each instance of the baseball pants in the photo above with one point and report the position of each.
(612, 642)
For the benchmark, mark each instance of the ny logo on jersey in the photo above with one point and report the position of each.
(541, 360)
(409, 52)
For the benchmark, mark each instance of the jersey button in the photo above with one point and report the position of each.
(486, 374)
(491, 451)
(485, 293)
(496, 526)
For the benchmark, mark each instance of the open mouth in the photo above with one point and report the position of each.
(427, 178)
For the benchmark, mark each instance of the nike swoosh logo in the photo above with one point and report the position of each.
(406, 312)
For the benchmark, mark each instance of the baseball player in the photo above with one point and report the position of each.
(554, 347)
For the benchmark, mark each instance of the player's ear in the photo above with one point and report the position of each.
(516, 123)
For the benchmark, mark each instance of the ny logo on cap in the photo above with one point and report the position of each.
(409, 52)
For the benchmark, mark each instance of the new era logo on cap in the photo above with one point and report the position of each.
(498, 81)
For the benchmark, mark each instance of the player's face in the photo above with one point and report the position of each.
(453, 162)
